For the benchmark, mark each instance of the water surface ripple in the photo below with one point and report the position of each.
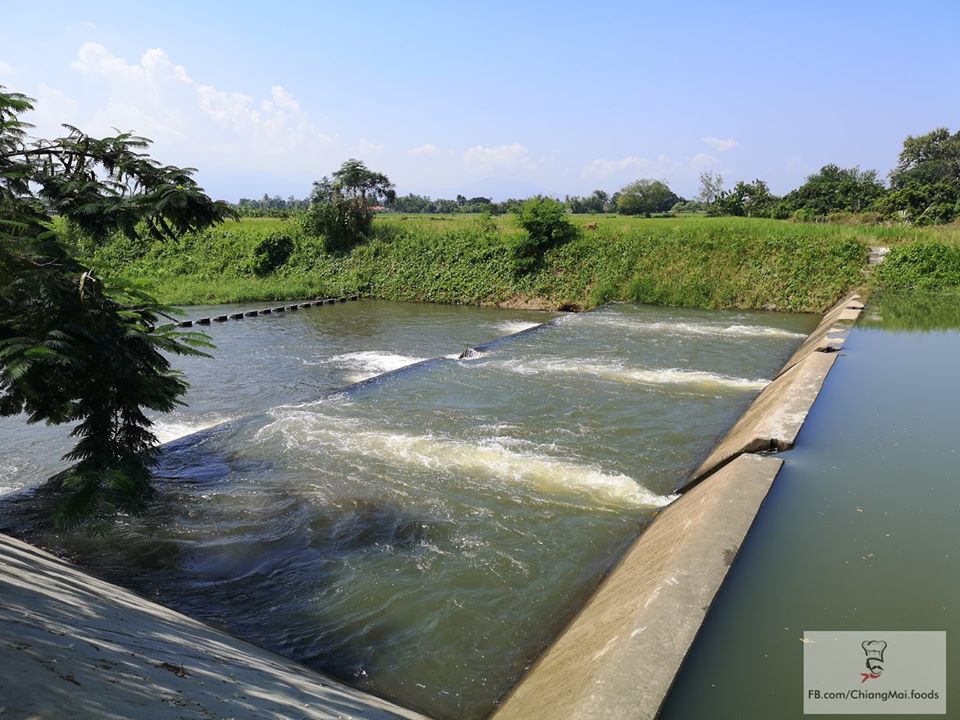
(424, 535)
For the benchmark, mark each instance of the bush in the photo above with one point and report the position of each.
(927, 266)
(271, 253)
(545, 221)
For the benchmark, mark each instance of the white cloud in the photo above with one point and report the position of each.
(600, 168)
(6, 69)
(721, 144)
(482, 159)
(676, 172)
(703, 160)
(283, 100)
(368, 147)
(88, 25)
(427, 149)
(205, 124)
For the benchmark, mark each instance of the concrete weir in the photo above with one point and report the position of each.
(74, 646)
(240, 315)
(619, 656)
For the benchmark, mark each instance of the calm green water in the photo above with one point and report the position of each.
(859, 531)
(424, 535)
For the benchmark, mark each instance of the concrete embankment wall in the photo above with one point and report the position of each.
(74, 646)
(620, 654)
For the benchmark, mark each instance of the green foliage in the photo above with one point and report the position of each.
(545, 222)
(928, 159)
(596, 202)
(72, 350)
(341, 207)
(711, 186)
(925, 185)
(693, 261)
(923, 265)
(923, 204)
(271, 253)
(644, 197)
(748, 200)
(835, 189)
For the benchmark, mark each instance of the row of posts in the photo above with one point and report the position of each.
(266, 311)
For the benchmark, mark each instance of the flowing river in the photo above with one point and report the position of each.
(422, 535)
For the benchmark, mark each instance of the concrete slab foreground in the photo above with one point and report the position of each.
(75, 646)
(618, 658)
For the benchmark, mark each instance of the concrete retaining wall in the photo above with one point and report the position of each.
(74, 646)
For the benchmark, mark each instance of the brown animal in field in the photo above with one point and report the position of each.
(591, 226)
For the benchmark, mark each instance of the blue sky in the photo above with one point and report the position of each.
(493, 98)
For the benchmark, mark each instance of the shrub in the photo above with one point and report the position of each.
(928, 266)
(271, 253)
(545, 221)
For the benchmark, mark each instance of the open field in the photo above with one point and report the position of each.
(467, 259)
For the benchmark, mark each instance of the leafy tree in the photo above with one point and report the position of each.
(71, 350)
(925, 185)
(545, 222)
(746, 199)
(340, 207)
(835, 189)
(644, 197)
(711, 185)
(596, 202)
(928, 159)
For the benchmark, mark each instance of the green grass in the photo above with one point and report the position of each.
(467, 259)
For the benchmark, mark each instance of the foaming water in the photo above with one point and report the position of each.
(509, 327)
(168, 430)
(310, 431)
(618, 373)
(422, 538)
(681, 327)
(370, 363)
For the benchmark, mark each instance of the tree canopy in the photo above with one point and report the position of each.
(72, 350)
(341, 206)
(835, 189)
(925, 184)
(644, 197)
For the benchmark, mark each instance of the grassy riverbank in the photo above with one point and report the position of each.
(696, 261)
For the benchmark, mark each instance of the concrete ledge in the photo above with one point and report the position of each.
(847, 309)
(773, 421)
(74, 646)
(618, 658)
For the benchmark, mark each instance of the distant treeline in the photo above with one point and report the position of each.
(923, 189)
(274, 206)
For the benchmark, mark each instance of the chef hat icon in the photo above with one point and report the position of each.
(874, 650)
